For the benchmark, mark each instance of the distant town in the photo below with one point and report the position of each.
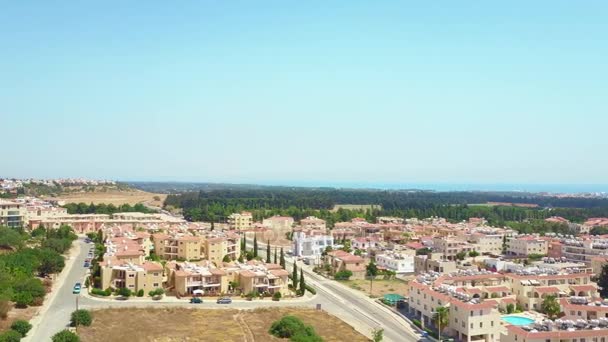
(542, 277)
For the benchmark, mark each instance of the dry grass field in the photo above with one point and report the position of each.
(115, 197)
(379, 287)
(182, 324)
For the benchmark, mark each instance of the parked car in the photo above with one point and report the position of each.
(196, 300)
(77, 288)
(87, 265)
(224, 300)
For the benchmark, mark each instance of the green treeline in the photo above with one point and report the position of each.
(28, 258)
(102, 208)
(455, 206)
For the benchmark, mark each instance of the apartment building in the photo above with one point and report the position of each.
(216, 248)
(340, 260)
(279, 223)
(433, 262)
(486, 243)
(559, 332)
(532, 286)
(579, 250)
(365, 243)
(310, 243)
(197, 278)
(178, 247)
(240, 221)
(472, 300)
(12, 214)
(451, 247)
(268, 278)
(312, 222)
(526, 245)
(399, 262)
(116, 274)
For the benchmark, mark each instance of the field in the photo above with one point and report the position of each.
(379, 287)
(356, 207)
(115, 197)
(180, 324)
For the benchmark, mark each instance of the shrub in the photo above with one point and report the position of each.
(10, 336)
(417, 323)
(140, 293)
(276, 296)
(156, 293)
(311, 289)
(23, 299)
(108, 291)
(65, 336)
(124, 292)
(21, 327)
(343, 275)
(293, 328)
(81, 317)
(87, 282)
(431, 332)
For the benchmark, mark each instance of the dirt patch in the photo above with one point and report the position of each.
(116, 197)
(183, 324)
(17, 314)
(379, 287)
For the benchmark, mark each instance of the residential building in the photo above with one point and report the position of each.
(526, 245)
(451, 247)
(12, 214)
(399, 262)
(433, 262)
(204, 278)
(242, 221)
(178, 247)
(310, 243)
(216, 248)
(486, 243)
(365, 243)
(115, 274)
(312, 222)
(340, 260)
(557, 333)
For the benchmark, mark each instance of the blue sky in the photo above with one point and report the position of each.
(327, 91)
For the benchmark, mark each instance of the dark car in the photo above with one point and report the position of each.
(196, 300)
(87, 265)
(224, 300)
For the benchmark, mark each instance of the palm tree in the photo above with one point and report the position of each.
(441, 318)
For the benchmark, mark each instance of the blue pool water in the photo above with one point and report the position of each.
(517, 320)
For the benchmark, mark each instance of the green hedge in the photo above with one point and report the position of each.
(311, 289)
(417, 323)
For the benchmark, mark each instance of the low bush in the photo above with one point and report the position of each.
(140, 293)
(65, 336)
(81, 317)
(100, 292)
(276, 296)
(343, 275)
(311, 289)
(21, 327)
(293, 328)
(417, 323)
(431, 332)
(23, 299)
(124, 292)
(10, 336)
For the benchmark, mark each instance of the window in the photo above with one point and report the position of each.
(131, 275)
(471, 314)
(492, 323)
(480, 312)
(471, 325)
(481, 324)
(155, 284)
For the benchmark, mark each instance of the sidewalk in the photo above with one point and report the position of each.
(57, 284)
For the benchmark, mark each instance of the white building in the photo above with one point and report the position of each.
(398, 262)
(310, 243)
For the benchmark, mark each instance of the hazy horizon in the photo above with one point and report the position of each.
(338, 92)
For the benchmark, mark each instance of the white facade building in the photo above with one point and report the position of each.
(310, 243)
(398, 262)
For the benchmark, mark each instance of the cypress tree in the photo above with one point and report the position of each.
(275, 256)
(294, 277)
(302, 282)
(268, 251)
(282, 260)
(255, 246)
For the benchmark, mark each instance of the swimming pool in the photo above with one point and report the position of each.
(517, 320)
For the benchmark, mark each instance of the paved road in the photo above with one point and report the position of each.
(353, 306)
(57, 317)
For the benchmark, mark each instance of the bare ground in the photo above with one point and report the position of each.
(115, 197)
(183, 324)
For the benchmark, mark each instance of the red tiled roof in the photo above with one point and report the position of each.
(546, 289)
(583, 287)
